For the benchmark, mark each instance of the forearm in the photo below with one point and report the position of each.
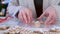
(13, 7)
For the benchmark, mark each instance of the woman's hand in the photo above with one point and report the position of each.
(50, 12)
(25, 15)
(5, 18)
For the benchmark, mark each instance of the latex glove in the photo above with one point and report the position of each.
(25, 15)
(50, 12)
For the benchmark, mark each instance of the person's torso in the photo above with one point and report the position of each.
(30, 4)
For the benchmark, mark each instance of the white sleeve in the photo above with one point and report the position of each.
(13, 7)
(13, 10)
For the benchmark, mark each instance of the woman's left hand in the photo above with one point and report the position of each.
(50, 12)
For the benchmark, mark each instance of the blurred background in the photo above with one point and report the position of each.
(3, 7)
(3, 2)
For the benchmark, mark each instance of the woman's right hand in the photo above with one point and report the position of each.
(25, 15)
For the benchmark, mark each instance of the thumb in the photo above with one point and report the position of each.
(42, 15)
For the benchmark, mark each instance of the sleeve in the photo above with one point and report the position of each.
(13, 7)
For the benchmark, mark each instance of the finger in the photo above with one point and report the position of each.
(48, 19)
(29, 15)
(28, 18)
(42, 15)
(24, 17)
(52, 21)
(20, 16)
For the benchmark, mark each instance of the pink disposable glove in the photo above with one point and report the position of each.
(25, 15)
(50, 12)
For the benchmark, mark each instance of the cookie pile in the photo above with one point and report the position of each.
(20, 30)
(37, 23)
(53, 31)
(4, 27)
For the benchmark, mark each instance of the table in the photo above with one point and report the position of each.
(16, 22)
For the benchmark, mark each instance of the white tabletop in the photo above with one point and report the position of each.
(15, 22)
